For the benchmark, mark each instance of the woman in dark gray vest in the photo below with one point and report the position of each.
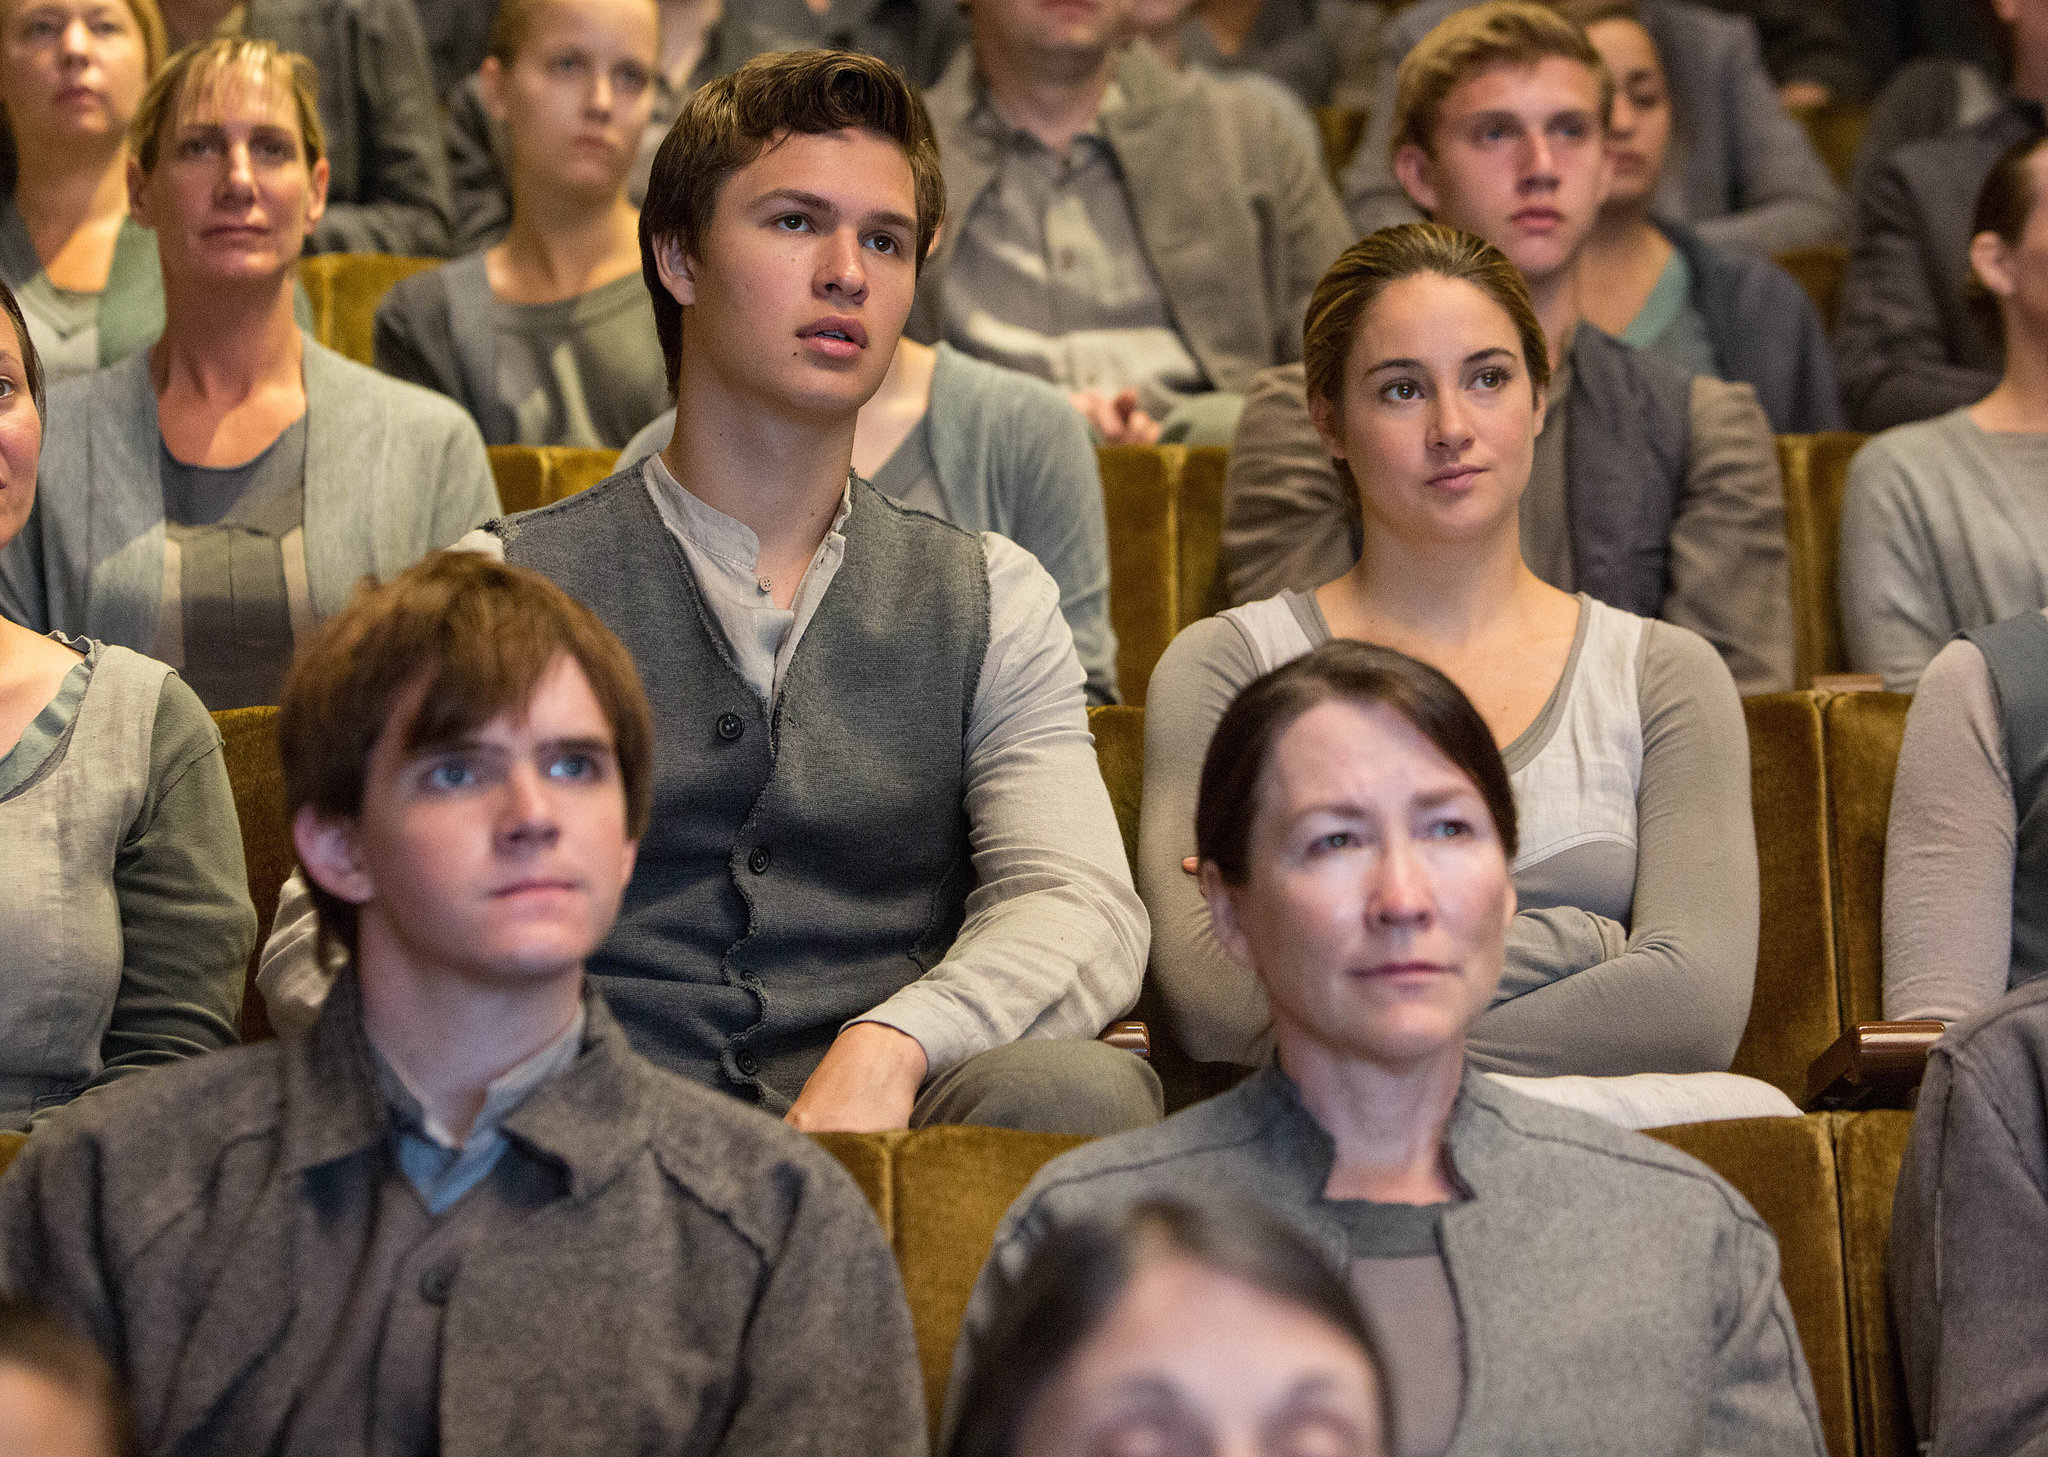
(209, 500)
(1966, 857)
(1543, 1282)
(125, 923)
(547, 338)
(72, 73)
(1634, 949)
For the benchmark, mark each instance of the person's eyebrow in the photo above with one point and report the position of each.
(797, 197)
(1472, 358)
(599, 748)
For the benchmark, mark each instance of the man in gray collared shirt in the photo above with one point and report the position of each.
(1143, 238)
(458, 1214)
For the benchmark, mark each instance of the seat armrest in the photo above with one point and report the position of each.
(1848, 683)
(1133, 1037)
(1872, 1065)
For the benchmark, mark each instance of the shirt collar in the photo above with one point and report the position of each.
(506, 1091)
(710, 530)
(984, 118)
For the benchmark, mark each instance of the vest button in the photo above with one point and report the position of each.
(747, 1063)
(758, 861)
(730, 726)
(436, 1283)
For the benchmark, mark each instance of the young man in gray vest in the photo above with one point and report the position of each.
(458, 1214)
(1655, 493)
(884, 885)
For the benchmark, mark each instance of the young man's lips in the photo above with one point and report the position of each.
(835, 338)
(1457, 475)
(1539, 217)
(1406, 968)
(528, 887)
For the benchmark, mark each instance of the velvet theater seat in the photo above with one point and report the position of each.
(1863, 734)
(1869, 1147)
(1795, 1011)
(345, 289)
(249, 742)
(1816, 471)
(529, 476)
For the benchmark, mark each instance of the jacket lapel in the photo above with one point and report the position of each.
(346, 534)
(125, 515)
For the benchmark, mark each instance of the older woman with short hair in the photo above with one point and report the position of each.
(1544, 1282)
(211, 499)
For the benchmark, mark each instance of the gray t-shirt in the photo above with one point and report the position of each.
(911, 474)
(1669, 327)
(235, 571)
(1634, 944)
(1396, 1266)
(583, 371)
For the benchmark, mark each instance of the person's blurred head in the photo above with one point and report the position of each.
(467, 762)
(788, 213)
(1355, 826)
(1500, 128)
(72, 72)
(21, 417)
(1427, 375)
(1175, 1329)
(1046, 40)
(572, 81)
(2026, 30)
(1639, 126)
(58, 1395)
(2009, 246)
(228, 162)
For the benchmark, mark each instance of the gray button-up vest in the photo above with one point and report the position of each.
(2016, 650)
(806, 862)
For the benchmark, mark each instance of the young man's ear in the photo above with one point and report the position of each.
(1417, 176)
(490, 85)
(327, 853)
(672, 262)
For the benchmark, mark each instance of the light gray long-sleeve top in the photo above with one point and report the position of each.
(1634, 948)
(1055, 938)
(1948, 854)
(1944, 528)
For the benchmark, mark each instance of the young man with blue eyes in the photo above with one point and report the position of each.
(458, 1213)
(883, 886)
(1655, 493)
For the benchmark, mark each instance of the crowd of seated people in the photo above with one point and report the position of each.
(751, 792)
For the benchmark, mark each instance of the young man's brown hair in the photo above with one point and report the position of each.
(1503, 33)
(729, 122)
(225, 61)
(479, 635)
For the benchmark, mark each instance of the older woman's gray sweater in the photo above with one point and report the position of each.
(1616, 1296)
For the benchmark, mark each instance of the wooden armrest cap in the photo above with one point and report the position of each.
(1873, 1064)
(1133, 1037)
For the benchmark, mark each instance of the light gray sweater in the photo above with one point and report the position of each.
(392, 472)
(1944, 528)
(1615, 1295)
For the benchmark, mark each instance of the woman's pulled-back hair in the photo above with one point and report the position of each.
(2004, 203)
(1342, 671)
(212, 64)
(1363, 271)
(474, 636)
(730, 121)
(1075, 1278)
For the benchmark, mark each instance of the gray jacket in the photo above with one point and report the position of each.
(1009, 455)
(389, 187)
(1908, 346)
(1741, 170)
(1237, 256)
(1615, 1295)
(1969, 1287)
(392, 472)
(695, 1290)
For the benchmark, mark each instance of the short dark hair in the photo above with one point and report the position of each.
(31, 1341)
(729, 122)
(31, 361)
(1339, 671)
(480, 635)
(1076, 1276)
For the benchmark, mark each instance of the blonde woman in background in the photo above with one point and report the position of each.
(72, 73)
